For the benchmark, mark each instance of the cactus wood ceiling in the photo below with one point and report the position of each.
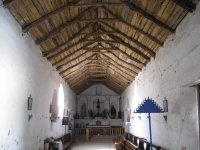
(99, 41)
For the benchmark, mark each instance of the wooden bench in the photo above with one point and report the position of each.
(132, 142)
(66, 141)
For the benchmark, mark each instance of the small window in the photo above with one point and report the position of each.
(61, 101)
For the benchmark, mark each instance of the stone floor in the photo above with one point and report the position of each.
(96, 143)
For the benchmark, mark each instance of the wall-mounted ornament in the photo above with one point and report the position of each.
(149, 106)
(165, 105)
(165, 108)
(29, 103)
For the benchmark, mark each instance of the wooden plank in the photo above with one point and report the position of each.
(75, 71)
(71, 54)
(148, 16)
(62, 72)
(130, 57)
(42, 40)
(151, 52)
(134, 27)
(55, 31)
(122, 66)
(129, 46)
(75, 58)
(186, 4)
(50, 55)
(47, 16)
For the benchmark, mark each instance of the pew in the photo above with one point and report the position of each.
(132, 142)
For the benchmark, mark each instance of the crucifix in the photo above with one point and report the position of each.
(98, 106)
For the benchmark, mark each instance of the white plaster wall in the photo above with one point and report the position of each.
(176, 65)
(23, 71)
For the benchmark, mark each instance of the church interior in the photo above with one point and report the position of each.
(100, 75)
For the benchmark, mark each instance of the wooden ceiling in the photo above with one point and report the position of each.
(99, 41)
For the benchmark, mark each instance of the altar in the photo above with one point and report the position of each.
(97, 130)
(102, 130)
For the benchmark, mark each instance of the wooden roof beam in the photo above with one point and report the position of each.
(52, 54)
(116, 90)
(62, 72)
(125, 68)
(49, 15)
(55, 31)
(78, 74)
(148, 16)
(75, 35)
(127, 63)
(78, 83)
(82, 78)
(75, 58)
(122, 66)
(74, 72)
(134, 27)
(186, 4)
(122, 77)
(114, 84)
(123, 74)
(151, 52)
(124, 53)
(71, 54)
(114, 80)
(136, 51)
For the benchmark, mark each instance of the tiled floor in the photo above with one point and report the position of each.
(96, 143)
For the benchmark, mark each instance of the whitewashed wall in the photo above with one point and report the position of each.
(23, 71)
(176, 65)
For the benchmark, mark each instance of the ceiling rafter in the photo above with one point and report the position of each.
(115, 68)
(62, 72)
(120, 65)
(110, 79)
(52, 54)
(114, 84)
(122, 79)
(27, 27)
(81, 81)
(123, 74)
(75, 35)
(71, 54)
(114, 88)
(185, 4)
(136, 51)
(75, 58)
(124, 53)
(129, 64)
(150, 51)
(67, 76)
(56, 31)
(83, 78)
(148, 16)
(80, 73)
(127, 69)
(133, 27)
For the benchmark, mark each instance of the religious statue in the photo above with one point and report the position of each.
(113, 111)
